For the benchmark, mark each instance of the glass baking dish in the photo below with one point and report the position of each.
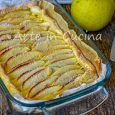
(94, 95)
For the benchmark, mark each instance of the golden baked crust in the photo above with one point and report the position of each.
(43, 66)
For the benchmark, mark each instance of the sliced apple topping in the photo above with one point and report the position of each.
(68, 76)
(60, 58)
(56, 49)
(33, 21)
(5, 28)
(18, 13)
(40, 85)
(50, 80)
(14, 31)
(54, 76)
(20, 71)
(23, 80)
(48, 93)
(62, 63)
(5, 44)
(47, 44)
(38, 76)
(37, 22)
(12, 51)
(64, 69)
(70, 84)
(42, 33)
(5, 37)
(5, 50)
(56, 53)
(38, 28)
(20, 60)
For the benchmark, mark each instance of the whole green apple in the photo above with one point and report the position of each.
(92, 15)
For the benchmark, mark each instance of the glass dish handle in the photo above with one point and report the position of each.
(83, 104)
(93, 100)
(45, 111)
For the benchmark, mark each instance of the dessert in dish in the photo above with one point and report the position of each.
(38, 55)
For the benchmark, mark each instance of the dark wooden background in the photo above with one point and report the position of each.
(108, 107)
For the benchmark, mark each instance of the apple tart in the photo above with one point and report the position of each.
(38, 57)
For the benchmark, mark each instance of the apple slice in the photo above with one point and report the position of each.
(5, 44)
(40, 85)
(12, 51)
(60, 58)
(7, 49)
(65, 62)
(47, 93)
(86, 78)
(25, 68)
(13, 31)
(37, 23)
(35, 78)
(38, 28)
(53, 58)
(64, 69)
(55, 49)
(68, 76)
(9, 27)
(47, 44)
(5, 37)
(15, 21)
(42, 33)
(19, 82)
(20, 60)
(56, 53)
(71, 84)
(33, 21)
(18, 13)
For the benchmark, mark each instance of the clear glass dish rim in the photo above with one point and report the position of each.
(70, 97)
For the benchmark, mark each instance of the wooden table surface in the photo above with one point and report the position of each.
(108, 107)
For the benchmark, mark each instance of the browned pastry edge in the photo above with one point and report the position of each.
(79, 54)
